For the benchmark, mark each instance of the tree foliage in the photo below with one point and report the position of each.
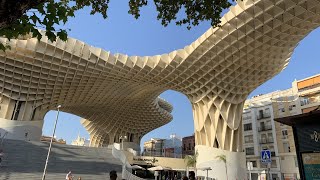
(191, 160)
(223, 158)
(22, 17)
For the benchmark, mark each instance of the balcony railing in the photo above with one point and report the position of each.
(263, 116)
(246, 117)
(266, 141)
(265, 128)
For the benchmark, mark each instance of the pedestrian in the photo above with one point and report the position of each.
(185, 178)
(192, 175)
(1, 156)
(26, 135)
(69, 176)
(113, 175)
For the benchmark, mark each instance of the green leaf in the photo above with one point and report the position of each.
(63, 35)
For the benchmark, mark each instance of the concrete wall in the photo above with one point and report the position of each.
(236, 163)
(17, 129)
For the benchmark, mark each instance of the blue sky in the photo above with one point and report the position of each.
(121, 33)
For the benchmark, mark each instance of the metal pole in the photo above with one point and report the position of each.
(207, 174)
(122, 143)
(49, 150)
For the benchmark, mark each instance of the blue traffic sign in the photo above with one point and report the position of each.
(266, 156)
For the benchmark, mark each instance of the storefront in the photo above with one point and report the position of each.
(306, 130)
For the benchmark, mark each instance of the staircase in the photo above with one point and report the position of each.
(25, 160)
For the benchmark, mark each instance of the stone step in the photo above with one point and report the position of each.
(26, 159)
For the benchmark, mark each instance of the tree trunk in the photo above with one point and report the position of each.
(11, 10)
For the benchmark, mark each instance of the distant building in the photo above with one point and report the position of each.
(48, 139)
(188, 144)
(163, 147)
(153, 147)
(173, 145)
(80, 141)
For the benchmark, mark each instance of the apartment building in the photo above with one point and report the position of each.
(259, 134)
(260, 131)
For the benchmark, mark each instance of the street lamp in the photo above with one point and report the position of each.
(206, 169)
(49, 150)
(122, 138)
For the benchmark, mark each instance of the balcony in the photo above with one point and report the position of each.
(263, 116)
(265, 128)
(266, 141)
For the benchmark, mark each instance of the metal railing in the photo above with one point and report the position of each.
(265, 128)
(129, 176)
(266, 141)
(126, 167)
(263, 116)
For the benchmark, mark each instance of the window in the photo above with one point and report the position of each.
(286, 147)
(267, 112)
(189, 148)
(304, 101)
(275, 176)
(260, 116)
(247, 127)
(246, 116)
(291, 107)
(284, 134)
(296, 161)
(274, 164)
(270, 138)
(254, 163)
(248, 139)
(250, 151)
(282, 110)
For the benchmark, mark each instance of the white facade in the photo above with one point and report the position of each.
(81, 141)
(259, 134)
(260, 112)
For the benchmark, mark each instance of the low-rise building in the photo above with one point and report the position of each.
(163, 147)
(188, 144)
(54, 140)
(81, 141)
(153, 147)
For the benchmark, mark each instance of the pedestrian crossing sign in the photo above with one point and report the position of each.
(265, 156)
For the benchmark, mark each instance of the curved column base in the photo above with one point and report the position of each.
(236, 163)
(17, 129)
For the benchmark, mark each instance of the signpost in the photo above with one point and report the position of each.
(266, 159)
(266, 156)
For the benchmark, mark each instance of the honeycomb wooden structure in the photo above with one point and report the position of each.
(118, 94)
